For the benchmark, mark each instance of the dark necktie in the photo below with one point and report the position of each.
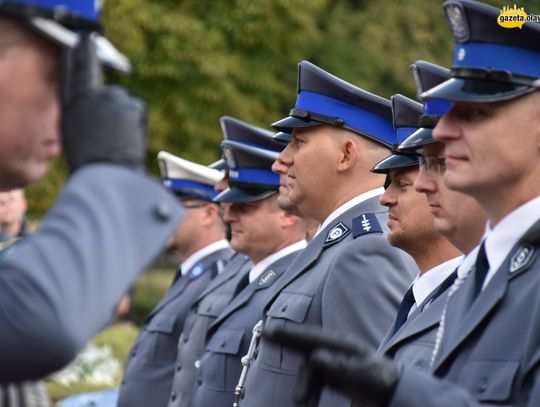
(481, 268)
(177, 275)
(404, 308)
(244, 281)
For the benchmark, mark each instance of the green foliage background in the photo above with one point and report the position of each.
(196, 60)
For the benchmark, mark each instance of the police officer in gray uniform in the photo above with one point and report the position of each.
(200, 242)
(213, 300)
(272, 238)
(60, 286)
(488, 345)
(411, 339)
(348, 278)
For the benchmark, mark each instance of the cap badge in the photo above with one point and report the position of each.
(461, 54)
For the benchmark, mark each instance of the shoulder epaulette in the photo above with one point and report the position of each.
(364, 224)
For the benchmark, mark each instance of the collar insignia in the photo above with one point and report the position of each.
(336, 234)
(197, 270)
(521, 258)
(267, 277)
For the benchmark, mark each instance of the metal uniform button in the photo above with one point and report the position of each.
(222, 344)
(163, 211)
(284, 308)
(482, 386)
(178, 367)
(173, 395)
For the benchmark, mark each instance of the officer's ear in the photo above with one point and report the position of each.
(349, 154)
(211, 214)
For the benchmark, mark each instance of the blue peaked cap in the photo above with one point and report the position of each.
(85, 9)
(405, 116)
(426, 76)
(406, 113)
(250, 172)
(237, 130)
(326, 99)
(63, 21)
(491, 63)
(186, 178)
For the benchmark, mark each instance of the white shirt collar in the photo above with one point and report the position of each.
(504, 236)
(188, 264)
(468, 262)
(427, 282)
(348, 205)
(262, 265)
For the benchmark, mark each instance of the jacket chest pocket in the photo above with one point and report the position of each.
(213, 305)
(489, 380)
(221, 366)
(291, 306)
(226, 341)
(160, 342)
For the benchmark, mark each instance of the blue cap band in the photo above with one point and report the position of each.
(191, 188)
(254, 176)
(498, 57)
(403, 132)
(437, 106)
(82, 8)
(355, 117)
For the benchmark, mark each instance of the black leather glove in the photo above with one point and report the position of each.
(99, 123)
(341, 362)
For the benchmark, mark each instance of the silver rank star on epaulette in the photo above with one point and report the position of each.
(337, 233)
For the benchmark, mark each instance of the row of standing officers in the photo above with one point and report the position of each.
(318, 271)
(409, 273)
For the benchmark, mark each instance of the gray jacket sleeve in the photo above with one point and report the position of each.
(60, 286)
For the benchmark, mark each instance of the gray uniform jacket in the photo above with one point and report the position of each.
(150, 367)
(60, 286)
(414, 341)
(206, 308)
(490, 354)
(348, 279)
(229, 337)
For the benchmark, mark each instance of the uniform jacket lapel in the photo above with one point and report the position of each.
(465, 317)
(247, 293)
(238, 264)
(314, 249)
(418, 323)
(181, 283)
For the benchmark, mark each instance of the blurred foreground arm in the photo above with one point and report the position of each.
(60, 286)
(341, 362)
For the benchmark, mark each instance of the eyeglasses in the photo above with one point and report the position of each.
(188, 205)
(432, 164)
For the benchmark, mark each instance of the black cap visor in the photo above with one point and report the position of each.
(417, 140)
(477, 90)
(107, 53)
(288, 123)
(235, 194)
(395, 161)
(283, 136)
